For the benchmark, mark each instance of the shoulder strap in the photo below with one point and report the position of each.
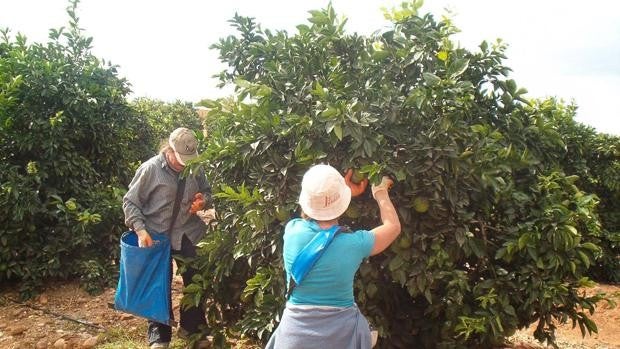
(177, 202)
(309, 255)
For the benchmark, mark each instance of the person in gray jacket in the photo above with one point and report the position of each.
(149, 207)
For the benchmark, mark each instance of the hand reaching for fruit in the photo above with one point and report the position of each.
(385, 185)
(357, 188)
(198, 204)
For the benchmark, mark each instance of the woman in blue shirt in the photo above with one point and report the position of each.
(321, 311)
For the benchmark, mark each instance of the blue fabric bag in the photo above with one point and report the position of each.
(144, 281)
(308, 256)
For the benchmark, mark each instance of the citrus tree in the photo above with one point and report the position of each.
(595, 158)
(67, 144)
(495, 235)
(163, 117)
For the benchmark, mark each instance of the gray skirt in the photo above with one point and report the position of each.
(312, 327)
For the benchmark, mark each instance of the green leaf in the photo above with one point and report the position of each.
(510, 310)
(590, 325)
(371, 290)
(192, 288)
(590, 246)
(243, 83)
(586, 282)
(482, 129)
(400, 174)
(330, 112)
(318, 17)
(380, 55)
(431, 79)
(303, 29)
(584, 258)
(428, 296)
(338, 131)
(421, 283)
(540, 264)
(523, 240)
(318, 90)
(263, 91)
(396, 263)
(458, 67)
(499, 254)
(329, 125)
(416, 98)
(572, 229)
(484, 46)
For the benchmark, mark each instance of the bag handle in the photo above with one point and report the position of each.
(177, 202)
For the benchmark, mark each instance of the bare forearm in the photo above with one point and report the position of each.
(387, 210)
(389, 230)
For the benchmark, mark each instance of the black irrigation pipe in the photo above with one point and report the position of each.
(62, 316)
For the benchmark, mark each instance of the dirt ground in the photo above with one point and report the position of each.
(606, 317)
(64, 316)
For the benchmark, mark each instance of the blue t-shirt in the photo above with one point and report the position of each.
(330, 281)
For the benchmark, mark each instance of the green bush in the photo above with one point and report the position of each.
(507, 238)
(595, 158)
(163, 117)
(67, 145)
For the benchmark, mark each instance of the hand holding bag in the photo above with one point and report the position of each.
(144, 281)
(144, 286)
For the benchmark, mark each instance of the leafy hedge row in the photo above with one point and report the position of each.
(67, 149)
(595, 158)
(69, 143)
(496, 235)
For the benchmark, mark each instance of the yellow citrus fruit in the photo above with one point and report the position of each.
(405, 242)
(420, 204)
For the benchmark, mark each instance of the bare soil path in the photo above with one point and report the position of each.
(606, 317)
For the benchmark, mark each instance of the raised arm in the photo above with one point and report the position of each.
(389, 230)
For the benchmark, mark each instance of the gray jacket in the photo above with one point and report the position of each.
(149, 201)
(320, 327)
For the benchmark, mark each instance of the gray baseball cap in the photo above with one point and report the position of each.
(184, 143)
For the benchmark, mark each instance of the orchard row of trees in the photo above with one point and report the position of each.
(509, 206)
(69, 143)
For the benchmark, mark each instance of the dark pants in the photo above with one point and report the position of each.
(191, 318)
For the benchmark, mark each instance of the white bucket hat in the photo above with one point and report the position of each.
(324, 193)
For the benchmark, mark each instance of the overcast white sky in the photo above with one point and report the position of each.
(568, 49)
